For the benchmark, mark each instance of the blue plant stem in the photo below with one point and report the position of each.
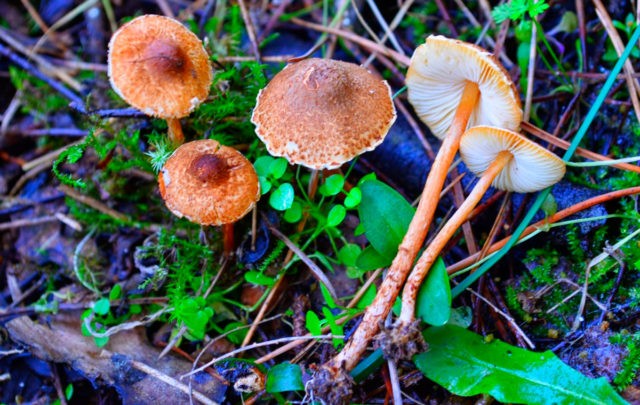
(570, 151)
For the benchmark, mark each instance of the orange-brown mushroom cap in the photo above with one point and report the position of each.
(208, 183)
(321, 113)
(158, 66)
(437, 75)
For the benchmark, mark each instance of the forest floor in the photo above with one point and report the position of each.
(108, 297)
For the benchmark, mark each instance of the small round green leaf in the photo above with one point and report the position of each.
(349, 253)
(265, 185)
(282, 197)
(336, 215)
(284, 377)
(332, 185)
(294, 213)
(278, 167)
(263, 165)
(101, 307)
(353, 198)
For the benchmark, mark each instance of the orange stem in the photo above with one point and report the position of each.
(418, 228)
(175, 131)
(583, 205)
(228, 239)
(438, 243)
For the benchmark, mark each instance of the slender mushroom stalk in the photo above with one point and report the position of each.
(501, 158)
(160, 67)
(452, 85)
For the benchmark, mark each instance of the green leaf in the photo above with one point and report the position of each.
(313, 323)
(284, 377)
(332, 185)
(115, 293)
(327, 296)
(255, 277)
(368, 297)
(348, 254)
(101, 307)
(278, 167)
(336, 215)
(462, 362)
(263, 165)
(353, 198)
(294, 213)
(265, 185)
(282, 197)
(433, 304)
(461, 316)
(68, 391)
(385, 215)
(370, 259)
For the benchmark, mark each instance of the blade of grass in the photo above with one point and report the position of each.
(570, 151)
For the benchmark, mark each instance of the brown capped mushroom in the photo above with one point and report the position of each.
(450, 84)
(321, 113)
(501, 158)
(208, 183)
(160, 67)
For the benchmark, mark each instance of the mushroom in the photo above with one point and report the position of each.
(501, 158)
(160, 67)
(321, 113)
(209, 184)
(451, 85)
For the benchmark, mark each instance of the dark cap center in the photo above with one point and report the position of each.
(209, 168)
(163, 58)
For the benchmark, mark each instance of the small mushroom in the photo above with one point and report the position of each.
(321, 113)
(501, 158)
(209, 184)
(160, 67)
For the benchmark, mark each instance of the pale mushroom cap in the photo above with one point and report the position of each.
(437, 75)
(321, 113)
(158, 66)
(532, 167)
(208, 183)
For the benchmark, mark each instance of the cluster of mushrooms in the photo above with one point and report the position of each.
(322, 113)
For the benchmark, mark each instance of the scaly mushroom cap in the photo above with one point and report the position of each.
(437, 75)
(321, 113)
(208, 183)
(159, 66)
(532, 167)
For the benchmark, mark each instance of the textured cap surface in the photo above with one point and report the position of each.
(159, 66)
(321, 113)
(208, 183)
(532, 167)
(437, 75)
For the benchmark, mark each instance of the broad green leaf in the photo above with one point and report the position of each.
(462, 362)
(385, 215)
(332, 185)
(284, 377)
(282, 197)
(433, 304)
(370, 259)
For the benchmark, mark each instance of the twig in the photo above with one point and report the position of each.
(48, 158)
(530, 70)
(251, 30)
(583, 205)
(93, 203)
(26, 65)
(257, 345)
(19, 223)
(561, 143)
(349, 36)
(110, 112)
(315, 270)
(172, 382)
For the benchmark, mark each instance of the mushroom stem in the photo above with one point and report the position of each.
(175, 131)
(428, 257)
(408, 249)
(228, 239)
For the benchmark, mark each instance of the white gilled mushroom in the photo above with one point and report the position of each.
(501, 158)
(161, 68)
(451, 84)
(321, 113)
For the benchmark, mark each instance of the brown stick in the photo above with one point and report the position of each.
(583, 205)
